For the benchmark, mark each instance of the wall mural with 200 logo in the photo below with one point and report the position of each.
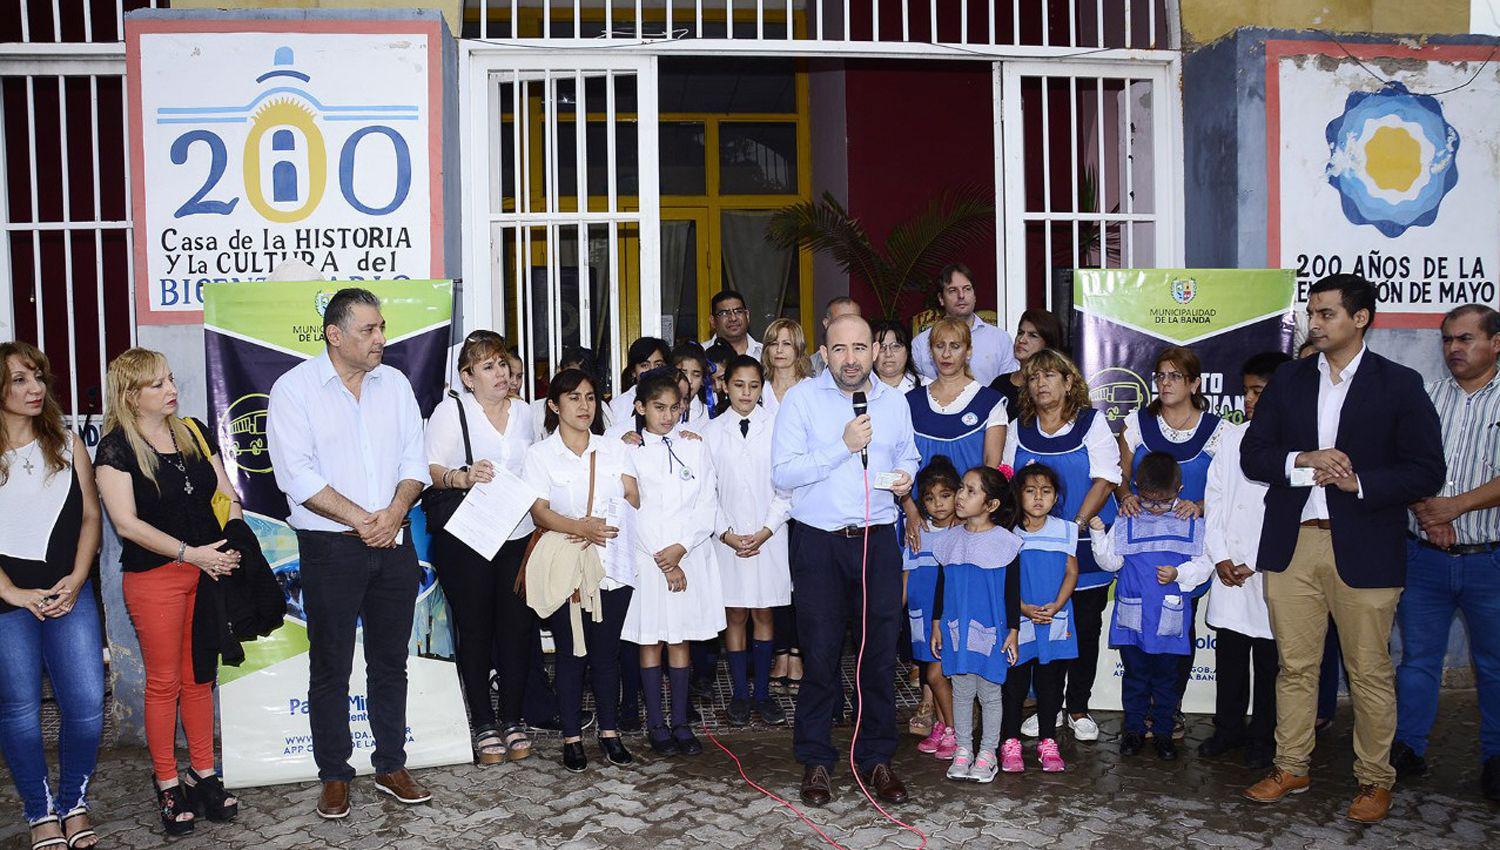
(253, 148)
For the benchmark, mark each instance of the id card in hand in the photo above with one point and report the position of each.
(885, 480)
(1303, 476)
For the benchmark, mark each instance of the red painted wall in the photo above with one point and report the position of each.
(914, 130)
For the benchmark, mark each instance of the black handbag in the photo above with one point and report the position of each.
(440, 503)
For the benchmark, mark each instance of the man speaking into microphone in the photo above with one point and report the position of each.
(843, 446)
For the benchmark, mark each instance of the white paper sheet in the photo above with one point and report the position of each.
(618, 555)
(491, 511)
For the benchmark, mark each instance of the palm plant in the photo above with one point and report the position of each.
(914, 252)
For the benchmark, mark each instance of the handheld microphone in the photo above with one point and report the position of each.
(861, 407)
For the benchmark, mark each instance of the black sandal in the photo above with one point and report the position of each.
(75, 841)
(209, 797)
(171, 804)
(517, 744)
(52, 841)
(489, 747)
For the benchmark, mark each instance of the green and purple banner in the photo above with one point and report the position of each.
(253, 333)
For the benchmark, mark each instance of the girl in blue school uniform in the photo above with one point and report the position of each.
(977, 614)
(1047, 640)
(1160, 558)
(937, 487)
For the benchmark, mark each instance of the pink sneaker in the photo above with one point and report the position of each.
(1046, 752)
(930, 743)
(1010, 756)
(948, 745)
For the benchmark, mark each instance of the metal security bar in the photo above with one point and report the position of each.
(1053, 26)
(66, 271)
(569, 202)
(1096, 181)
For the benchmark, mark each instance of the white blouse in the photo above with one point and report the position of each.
(507, 450)
(997, 414)
(562, 477)
(1133, 432)
(768, 398)
(30, 503)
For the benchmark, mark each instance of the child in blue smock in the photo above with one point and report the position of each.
(1160, 558)
(937, 489)
(977, 614)
(1048, 639)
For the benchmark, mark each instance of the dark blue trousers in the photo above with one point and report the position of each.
(1149, 687)
(829, 579)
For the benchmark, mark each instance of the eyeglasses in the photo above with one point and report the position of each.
(891, 347)
(1159, 506)
(736, 312)
(1168, 377)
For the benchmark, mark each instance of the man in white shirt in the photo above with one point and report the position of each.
(729, 319)
(345, 436)
(994, 353)
(1235, 507)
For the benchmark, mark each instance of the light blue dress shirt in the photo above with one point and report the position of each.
(321, 436)
(826, 480)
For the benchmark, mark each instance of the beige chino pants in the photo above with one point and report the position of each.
(1300, 600)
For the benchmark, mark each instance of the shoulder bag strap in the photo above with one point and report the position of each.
(593, 466)
(197, 435)
(463, 423)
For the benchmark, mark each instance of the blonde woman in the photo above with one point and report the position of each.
(158, 486)
(49, 616)
(785, 357)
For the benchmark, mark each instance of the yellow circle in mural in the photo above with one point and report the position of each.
(285, 113)
(1393, 158)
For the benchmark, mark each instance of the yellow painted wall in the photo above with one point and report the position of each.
(452, 9)
(1204, 21)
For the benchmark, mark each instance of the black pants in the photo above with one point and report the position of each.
(1048, 679)
(491, 625)
(1236, 655)
(831, 591)
(345, 581)
(601, 661)
(538, 701)
(1185, 664)
(1088, 616)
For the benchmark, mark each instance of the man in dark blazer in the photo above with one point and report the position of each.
(1346, 441)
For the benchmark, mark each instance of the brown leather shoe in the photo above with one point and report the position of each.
(817, 788)
(1277, 784)
(1370, 805)
(401, 786)
(333, 803)
(882, 780)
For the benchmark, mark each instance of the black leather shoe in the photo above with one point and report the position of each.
(687, 742)
(1166, 749)
(1131, 743)
(771, 713)
(1219, 744)
(614, 750)
(738, 713)
(1406, 761)
(573, 757)
(662, 742)
(817, 788)
(1489, 779)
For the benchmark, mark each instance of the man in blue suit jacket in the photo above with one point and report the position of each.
(1345, 440)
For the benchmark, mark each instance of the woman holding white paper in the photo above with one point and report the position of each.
(491, 623)
(577, 471)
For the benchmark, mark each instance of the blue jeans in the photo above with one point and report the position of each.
(1437, 584)
(72, 652)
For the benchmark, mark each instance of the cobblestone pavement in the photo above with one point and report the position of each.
(1101, 801)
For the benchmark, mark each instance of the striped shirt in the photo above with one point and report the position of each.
(1471, 446)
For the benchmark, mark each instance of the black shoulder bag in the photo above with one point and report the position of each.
(440, 503)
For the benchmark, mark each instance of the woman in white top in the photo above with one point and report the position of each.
(1176, 422)
(565, 469)
(679, 597)
(491, 624)
(893, 363)
(644, 354)
(751, 541)
(572, 358)
(49, 616)
(784, 361)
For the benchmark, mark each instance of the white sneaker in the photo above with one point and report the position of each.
(985, 767)
(1032, 728)
(1084, 728)
(962, 761)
